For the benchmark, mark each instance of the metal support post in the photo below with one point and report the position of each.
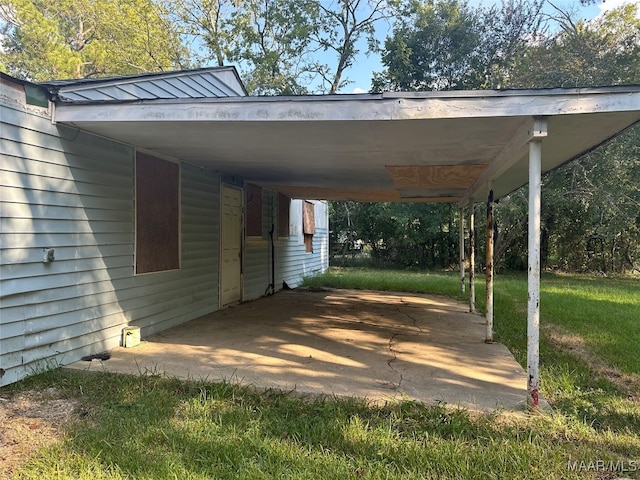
(533, 306)
(472, 259)
(461, 237)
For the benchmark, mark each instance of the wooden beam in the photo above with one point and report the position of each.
(516, 149)
(358, 194)
(353, 194)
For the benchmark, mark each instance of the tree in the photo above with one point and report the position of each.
(279, 45)
(445, 45)
(268, 40)
(276, 37)
(448, 45)
(343, 24)
(590, 206)
(604, 51)
(209, 22)
(47, 39)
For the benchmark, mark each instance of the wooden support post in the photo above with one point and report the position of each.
(472, 259)
(489, 271)
(461, 237)
(533, 306)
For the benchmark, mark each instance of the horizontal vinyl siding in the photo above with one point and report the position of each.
(74, 192)
(292, 262)
(257, 264)
(296, 263)
(257, 254)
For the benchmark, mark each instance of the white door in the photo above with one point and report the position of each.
(231, 239)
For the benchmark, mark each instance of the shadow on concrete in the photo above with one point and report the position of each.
(377, 345)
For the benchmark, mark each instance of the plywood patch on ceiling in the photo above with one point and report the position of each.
(434, 176)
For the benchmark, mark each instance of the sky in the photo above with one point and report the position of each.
(361, 72)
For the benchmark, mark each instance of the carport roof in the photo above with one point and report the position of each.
(433, 146)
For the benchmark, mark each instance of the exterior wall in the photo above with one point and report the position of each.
(67, 190)
(292, 262)
(74, 192)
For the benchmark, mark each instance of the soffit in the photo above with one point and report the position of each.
(371, 147)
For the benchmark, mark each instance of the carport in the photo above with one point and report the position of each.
(458, 147)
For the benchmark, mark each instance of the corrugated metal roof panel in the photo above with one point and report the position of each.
(190, 87)
(93, 95)
(215, 82)
(204, 83)
(159, 88)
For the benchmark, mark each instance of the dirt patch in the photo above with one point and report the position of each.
(574, 344)
(29, 421)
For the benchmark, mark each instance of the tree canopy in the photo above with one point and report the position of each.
(449, 45)
(590, 206)
(590, 216)
(53, 39)
(284, 46)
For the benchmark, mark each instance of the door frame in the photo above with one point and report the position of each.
(230, 186)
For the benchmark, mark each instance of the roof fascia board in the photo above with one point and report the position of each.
(339, 108)
(515, 92)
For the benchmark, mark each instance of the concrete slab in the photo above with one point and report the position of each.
(378, 345)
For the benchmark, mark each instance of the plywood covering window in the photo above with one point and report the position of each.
(157, 214)
(284, 205)
(308, 224)
(254, 210)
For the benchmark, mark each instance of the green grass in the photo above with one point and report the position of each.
(151, 427)
(389, 280)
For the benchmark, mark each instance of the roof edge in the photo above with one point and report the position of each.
(60, 85)
(35, 94)
(436, 95)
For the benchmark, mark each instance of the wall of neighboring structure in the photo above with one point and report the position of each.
(74, 192)
(292, 261)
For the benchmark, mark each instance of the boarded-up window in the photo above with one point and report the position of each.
(254, 210)
(157, 214)
(308, 224)
(284, 204)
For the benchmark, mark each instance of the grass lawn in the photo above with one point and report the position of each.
(151, 427)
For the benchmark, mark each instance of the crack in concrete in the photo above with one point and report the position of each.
(413, 319)
(395, 357)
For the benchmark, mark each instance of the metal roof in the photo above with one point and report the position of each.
(213, 82)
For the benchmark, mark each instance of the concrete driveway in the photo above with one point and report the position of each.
(378, 345)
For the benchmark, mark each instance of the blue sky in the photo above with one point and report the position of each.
(360, 73)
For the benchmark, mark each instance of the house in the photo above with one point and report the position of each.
(97, 235)
(153, 199)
